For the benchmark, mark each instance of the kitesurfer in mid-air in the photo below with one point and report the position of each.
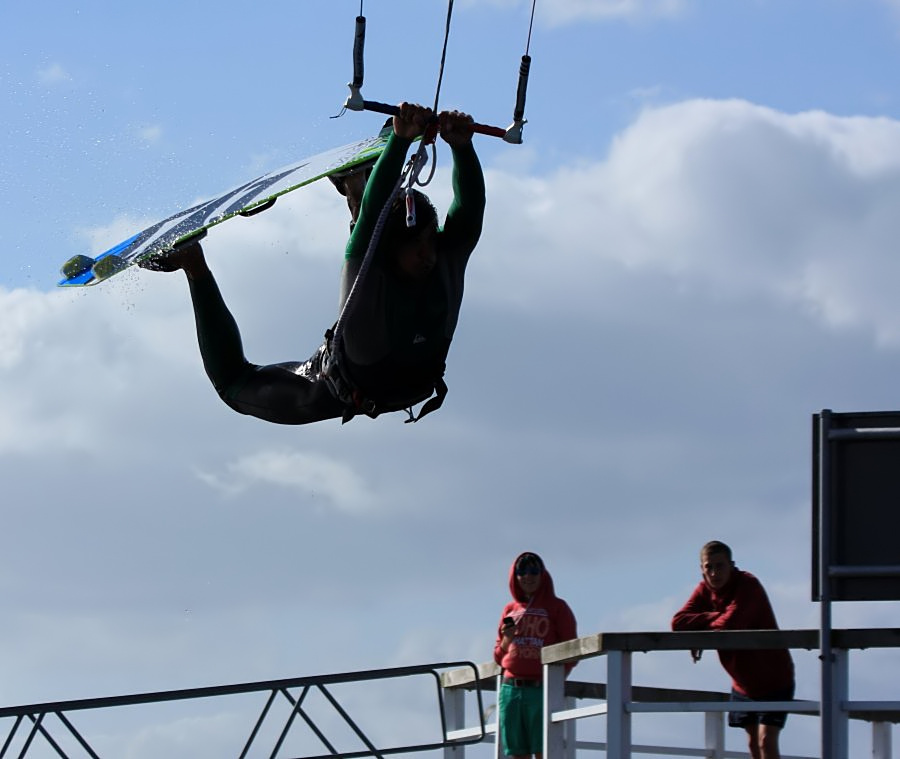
(397, 333)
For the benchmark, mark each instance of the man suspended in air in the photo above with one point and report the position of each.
(394, 338)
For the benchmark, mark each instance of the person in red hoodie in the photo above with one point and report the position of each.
(535, 618)
(729, 598)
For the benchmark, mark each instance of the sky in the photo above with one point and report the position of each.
(692, 252)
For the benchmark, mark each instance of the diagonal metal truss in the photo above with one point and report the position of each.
(53, 723)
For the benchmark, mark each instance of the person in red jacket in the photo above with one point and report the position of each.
(535, 618)
(729, 598)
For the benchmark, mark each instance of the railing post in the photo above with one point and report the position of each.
(840, 681)
(554, 701)
(827, 698)
(499, 753)
(714, 728)
(455, 715)
(570, 726)
(618, 694)
(881, 740)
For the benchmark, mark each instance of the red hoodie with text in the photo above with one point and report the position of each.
(742, 604)
(540, 621)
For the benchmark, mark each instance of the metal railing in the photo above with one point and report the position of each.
(50, 727)
(618, 699)
(332, 718)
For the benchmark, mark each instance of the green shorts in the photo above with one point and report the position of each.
(521, 713)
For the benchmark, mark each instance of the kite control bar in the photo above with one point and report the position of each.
(392, 110)
(356, 102)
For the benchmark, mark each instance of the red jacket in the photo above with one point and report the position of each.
(741, 605)
(541, 621)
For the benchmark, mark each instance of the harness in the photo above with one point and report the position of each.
(355, 401)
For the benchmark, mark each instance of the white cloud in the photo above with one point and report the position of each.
(559, 12)
(53, 73)
(562, 12)
(71, 359)
(151, 133)
(101, 239)
(310, 474)
(723, 195)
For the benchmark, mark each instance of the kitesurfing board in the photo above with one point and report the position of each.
(248, 199)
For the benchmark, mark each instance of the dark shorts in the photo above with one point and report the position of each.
(748, 719)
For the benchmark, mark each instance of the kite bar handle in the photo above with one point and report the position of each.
(514, 132)
(355, 99)
(524, 68)
(392, 110)
(359, 43)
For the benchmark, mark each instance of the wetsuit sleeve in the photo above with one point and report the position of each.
(462, 227)
(378, 190)
(696, 614)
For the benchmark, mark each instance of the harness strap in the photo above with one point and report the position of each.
(355, 401)
(432, 404)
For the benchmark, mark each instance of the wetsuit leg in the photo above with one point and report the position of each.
(277, 393)
(218, 334)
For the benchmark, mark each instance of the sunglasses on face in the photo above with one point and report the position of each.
(532, 570)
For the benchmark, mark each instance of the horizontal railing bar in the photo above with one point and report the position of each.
(579, 713)
(871, 706)
(714, 640)
(885, 570)
(791, 707)
(226, 690)
(467, 732)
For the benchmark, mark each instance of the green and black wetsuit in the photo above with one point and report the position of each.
(398, 333)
